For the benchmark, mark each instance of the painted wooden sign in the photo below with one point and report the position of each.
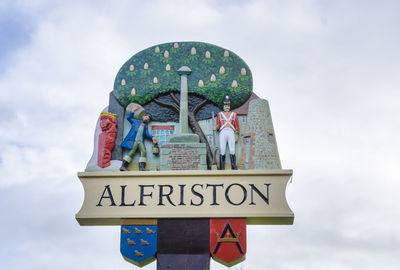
(185, 155)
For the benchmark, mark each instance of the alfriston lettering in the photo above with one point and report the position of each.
(235, 194)
(160, 199)
(142, 194)
(265, 198)
(110, 196)
(228, 198)
(123, 197)
(182, 189)
(214, 186)
(198, 195)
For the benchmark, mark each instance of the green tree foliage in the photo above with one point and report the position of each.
(152, 72)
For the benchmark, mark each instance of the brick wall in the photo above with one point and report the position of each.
(183, 156)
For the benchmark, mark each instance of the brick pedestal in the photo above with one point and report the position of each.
(183, 156)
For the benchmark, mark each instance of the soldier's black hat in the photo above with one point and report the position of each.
(227, 101)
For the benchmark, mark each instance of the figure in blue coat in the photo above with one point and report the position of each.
(135, 139)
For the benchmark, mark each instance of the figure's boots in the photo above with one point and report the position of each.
(142, 166)
(233, 162)
(222, 162)
(124, 166)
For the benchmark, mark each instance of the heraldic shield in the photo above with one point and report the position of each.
(228, 240)
(139, 243)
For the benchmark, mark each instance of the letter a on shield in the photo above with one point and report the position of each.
(228, 240)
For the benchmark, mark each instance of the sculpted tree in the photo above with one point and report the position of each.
(149, 78)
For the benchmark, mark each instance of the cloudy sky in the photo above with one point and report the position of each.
(330, 70)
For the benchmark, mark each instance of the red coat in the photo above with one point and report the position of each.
(234, 122)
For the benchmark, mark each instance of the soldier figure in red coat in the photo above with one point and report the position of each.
(228, 128)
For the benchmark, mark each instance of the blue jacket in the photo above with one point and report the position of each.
(130, 138)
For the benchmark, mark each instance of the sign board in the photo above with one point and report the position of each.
(258, 195)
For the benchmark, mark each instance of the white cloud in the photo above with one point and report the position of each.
(328, 69)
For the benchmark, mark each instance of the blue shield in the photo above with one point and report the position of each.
(139, 243)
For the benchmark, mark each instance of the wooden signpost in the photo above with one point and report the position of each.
(174, 206)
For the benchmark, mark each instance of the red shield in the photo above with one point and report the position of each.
(228, 240)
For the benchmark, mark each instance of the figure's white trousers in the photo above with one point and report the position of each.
(227, 135)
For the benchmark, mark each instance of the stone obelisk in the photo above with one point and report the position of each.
(183, 150)
(183, 135)
(183, 113)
